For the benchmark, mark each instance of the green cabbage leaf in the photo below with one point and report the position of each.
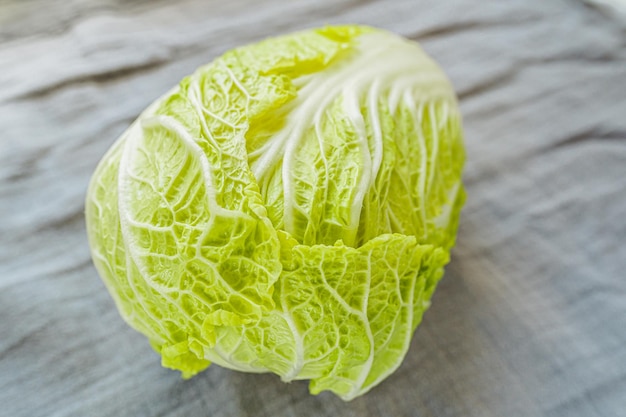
(288, 208)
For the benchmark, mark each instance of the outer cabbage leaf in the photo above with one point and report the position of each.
(354, 310)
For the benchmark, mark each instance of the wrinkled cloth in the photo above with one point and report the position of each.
(529, 318)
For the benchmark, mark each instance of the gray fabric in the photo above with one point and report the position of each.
(530, 319)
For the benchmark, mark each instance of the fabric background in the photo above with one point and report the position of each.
(530, 319)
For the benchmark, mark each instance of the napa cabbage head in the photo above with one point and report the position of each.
(287, 208)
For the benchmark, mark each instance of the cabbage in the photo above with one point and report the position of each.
(288, 208)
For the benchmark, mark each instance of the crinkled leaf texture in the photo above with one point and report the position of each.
(287, 208)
